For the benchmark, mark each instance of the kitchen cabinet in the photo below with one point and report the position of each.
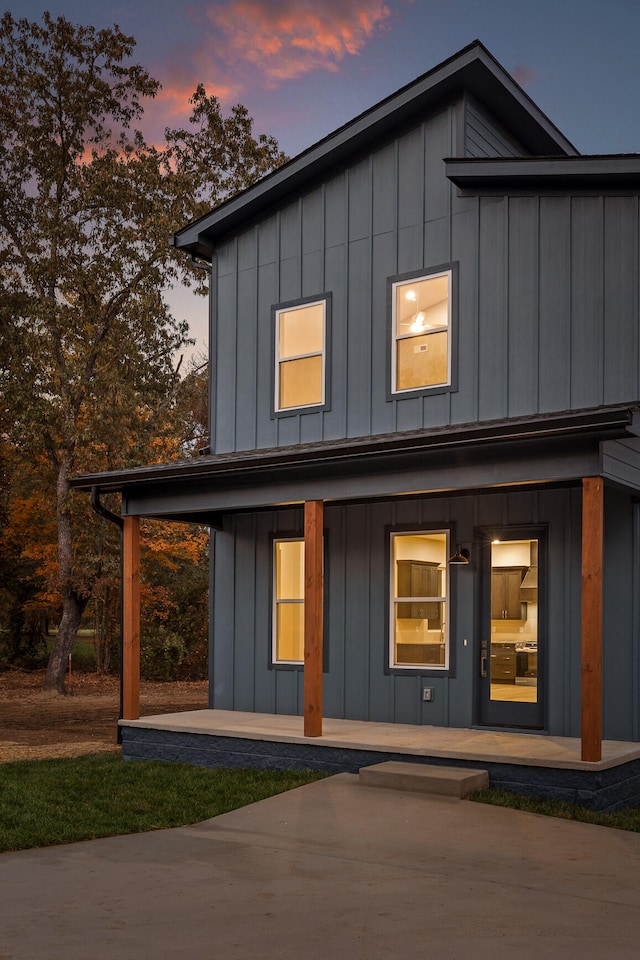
(505, 593)
(419, 578)
(503, 663)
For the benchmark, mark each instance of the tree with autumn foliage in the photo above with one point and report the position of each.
(89, 376)
(174, 600)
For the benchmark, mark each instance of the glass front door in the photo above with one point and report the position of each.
(511, 640)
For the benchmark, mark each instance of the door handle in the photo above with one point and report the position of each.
(483, 658)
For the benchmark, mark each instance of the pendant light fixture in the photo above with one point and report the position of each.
(461, 556)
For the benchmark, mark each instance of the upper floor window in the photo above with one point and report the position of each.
(301, 348)
(421, 309)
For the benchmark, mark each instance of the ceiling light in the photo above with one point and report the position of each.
(418, 324)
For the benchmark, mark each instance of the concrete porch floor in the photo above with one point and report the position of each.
(442, 743)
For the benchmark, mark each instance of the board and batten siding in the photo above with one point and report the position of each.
(558, 304)
(621, 616)
(486, 137)
(357, 684)
(547, 288)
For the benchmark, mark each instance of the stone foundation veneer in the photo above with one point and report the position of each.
(612, 789)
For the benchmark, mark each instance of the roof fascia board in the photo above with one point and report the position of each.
(473, 68)
(613, 171)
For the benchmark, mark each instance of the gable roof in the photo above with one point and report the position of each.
(473, 70)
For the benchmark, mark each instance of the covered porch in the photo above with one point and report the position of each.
(589, 747)
(583, 451)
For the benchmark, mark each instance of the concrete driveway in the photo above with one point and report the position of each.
(329, 871)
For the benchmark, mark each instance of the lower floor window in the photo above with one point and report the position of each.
(288, 607)
(419, 616)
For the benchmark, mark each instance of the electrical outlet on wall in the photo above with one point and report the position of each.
(427, 693)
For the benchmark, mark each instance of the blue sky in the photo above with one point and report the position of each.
(304, 67)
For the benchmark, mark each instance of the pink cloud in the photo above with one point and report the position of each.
(173, 100)
(523, 75)
(285, 39)
(171, 107)
(244, 44)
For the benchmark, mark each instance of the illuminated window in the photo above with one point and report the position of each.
(288, 607)
(419, 612)
(300, 334)
(421, 316)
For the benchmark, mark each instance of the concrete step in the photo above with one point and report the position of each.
(424, 778)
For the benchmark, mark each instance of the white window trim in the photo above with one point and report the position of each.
(423, 667)
(408, 336)
(305, 304)
(275, 602)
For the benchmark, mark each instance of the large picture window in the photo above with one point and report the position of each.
(300, 342)
(288, 605)
(418, 608)
(421, 321)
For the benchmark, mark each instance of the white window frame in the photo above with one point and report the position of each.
(289, 308)
(393, 600)
(395, 336)
(275, 602)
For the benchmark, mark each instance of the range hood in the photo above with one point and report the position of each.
(530, 583)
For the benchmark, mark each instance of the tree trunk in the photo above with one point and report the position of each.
(73, 605)
(72, 610)
(106, 620)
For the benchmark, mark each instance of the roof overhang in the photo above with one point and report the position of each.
(600, 173)
(359, 456)
(473, 70)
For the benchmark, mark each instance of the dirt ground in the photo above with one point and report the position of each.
(35, 725)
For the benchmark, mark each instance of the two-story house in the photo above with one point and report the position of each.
(424, 471)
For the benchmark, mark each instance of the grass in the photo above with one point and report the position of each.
(620, 819)
(46, 802)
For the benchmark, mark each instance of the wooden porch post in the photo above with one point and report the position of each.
(592, 554)
(313, 520)
(131, 618)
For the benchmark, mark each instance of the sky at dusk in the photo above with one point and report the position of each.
(305, 67)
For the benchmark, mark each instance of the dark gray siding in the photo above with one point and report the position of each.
(621, 461)
(548, 297)
(621, 615)
(487, 137)
(386, 214)
(551, 311)
(357, 685)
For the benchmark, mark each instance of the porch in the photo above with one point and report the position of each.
(313, 656)
(527, 763)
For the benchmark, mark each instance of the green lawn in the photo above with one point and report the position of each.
(45, 802)
(621, 819)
